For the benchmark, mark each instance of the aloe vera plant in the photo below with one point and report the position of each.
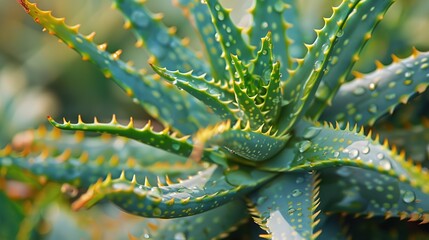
(251, 131)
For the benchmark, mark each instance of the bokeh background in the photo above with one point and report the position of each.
(40, 76)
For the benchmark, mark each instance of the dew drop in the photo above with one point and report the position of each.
(296, 193)
(359, 91)
(336, 154)
(203, 1)
(325, 47)
(146, 236)
(380, 156)
(409, 197)
(365, 150)
(264, 25)
(311, 132)
(264, 52)
(279, 6)
(340, 33)
(291, 210)
(372, 86)
(304, 146)
(220, 16)
(354, 153)
(385, 164)
(140, 19)
(179, 236)
(318, 65)
(409, 74)
(176, 146)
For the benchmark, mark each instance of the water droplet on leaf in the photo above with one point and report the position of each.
(296, 193)
(354, 153)
(304, 146)
(409, 197)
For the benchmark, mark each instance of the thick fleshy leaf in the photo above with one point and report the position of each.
(167, 49)
(82, 170)
(229, 36)
(414, 140)
(272, 100)
(367, 98)
(317, 147)
(244, 143)
(356, 32)
(286, 207)
(104, 146)
(213, 224)
(220, 98)
(163, 140)
(208, 189)
(367, 193)
(275, 19)
(164, 103)
(201, 18)
(299, 89)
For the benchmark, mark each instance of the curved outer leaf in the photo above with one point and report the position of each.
(200, 193)
(213, 224)
(168, 50)
(299, 89)
(216, 96)
(366, 193)
(202, 20)
(286, 207)
(357, 31)
(164, 103)
(163, 140)
(105, 147)
(369, 97)
(80, 171)
(319, 148)
(229, 36)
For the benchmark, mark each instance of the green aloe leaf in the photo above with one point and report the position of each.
(163, 140)
(366, 193)
(218, 97)
(279, 19)
(208, 189)
(286, 208)
(213, 224)
(299, 89)
(316, 147)
(414, 140)
(200, 16)
(166, 104)
(243, 143)
(168, 51)
(357, 31)
(229, 36)
(367, 98)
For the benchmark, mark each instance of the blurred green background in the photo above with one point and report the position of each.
(40, 76)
